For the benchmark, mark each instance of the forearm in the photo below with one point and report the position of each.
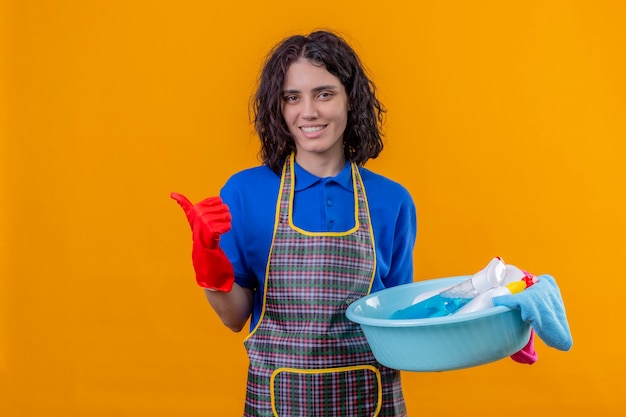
(233, 307)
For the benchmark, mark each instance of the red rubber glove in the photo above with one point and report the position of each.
(527, 355)
(208, 220)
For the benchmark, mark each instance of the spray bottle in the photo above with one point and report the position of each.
(450, 300)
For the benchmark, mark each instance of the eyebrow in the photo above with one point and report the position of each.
(314, 90)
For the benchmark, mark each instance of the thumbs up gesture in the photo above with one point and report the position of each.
(208, 219)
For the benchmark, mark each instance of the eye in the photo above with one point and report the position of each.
(290, 98)
(325, 95)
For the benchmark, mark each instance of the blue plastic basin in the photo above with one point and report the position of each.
(440, 343)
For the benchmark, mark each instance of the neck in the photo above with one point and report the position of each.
(321, 167)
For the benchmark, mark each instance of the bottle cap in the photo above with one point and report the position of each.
(516, 286)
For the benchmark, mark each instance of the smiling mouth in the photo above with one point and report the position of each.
(312, 129)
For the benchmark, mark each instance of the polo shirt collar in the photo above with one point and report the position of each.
(305, 179)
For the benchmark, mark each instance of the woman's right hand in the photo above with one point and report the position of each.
(208, 220)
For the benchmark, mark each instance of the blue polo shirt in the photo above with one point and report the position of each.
(320, 204)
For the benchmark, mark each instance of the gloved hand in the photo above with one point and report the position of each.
(209, 219)
(542, 307)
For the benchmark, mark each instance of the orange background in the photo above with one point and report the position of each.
(506, 122)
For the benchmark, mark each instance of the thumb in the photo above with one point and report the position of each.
(183, 201)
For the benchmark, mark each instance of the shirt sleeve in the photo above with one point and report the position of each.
(394, 222)
(401, 265)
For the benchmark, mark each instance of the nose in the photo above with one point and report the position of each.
(309, 110)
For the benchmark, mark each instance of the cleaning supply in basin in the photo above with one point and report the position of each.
(450, 300)
(484, 300)
(515, 281)
(513, 274)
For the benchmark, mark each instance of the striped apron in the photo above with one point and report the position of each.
(306, 357)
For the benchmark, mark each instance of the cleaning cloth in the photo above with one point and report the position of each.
(542, 307)
(527, 355)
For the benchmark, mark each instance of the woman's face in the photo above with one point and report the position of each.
(315, 108)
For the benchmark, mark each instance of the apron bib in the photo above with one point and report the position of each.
(306, 357)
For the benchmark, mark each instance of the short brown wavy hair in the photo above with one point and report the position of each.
(363, 135)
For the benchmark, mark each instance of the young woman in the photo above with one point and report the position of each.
(309, 232)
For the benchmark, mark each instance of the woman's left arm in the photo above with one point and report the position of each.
(402, 245)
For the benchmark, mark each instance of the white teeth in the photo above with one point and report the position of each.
(311, 129)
